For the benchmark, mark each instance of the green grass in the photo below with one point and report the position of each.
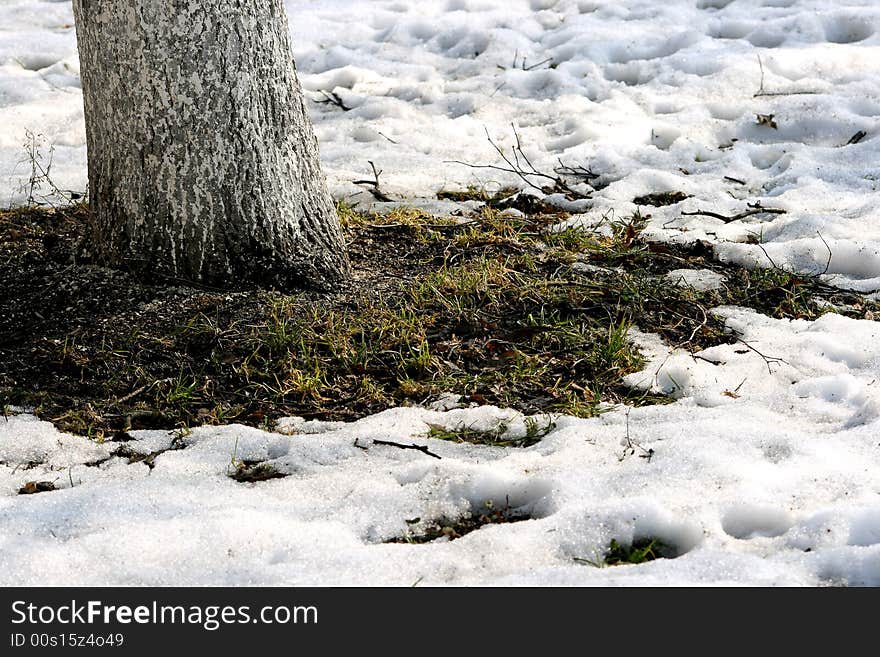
(497, 436)
(639, 551)
(495, 307)
(420, 532)
(488, 322)
(500, 321)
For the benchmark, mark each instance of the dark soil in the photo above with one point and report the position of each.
(251, 472)
(455, 528)
(492, 308)
(76, 339)
(660, 199)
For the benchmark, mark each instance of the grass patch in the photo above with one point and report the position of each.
(455, 528)
(783, 294)
(249, 472)
(498, 436)
(639, 551)
(497, 307)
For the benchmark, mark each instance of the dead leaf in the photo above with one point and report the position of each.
(768, 120)
(33, 487)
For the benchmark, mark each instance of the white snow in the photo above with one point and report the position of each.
(765, 470)
(697, 279)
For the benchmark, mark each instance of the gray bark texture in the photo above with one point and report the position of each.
(202, 159)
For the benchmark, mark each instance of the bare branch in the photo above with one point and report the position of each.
(828, 262)
(752, 211)
(418, 448)
(768, 360)
(519, 164)
(373, 184)
(333, 98)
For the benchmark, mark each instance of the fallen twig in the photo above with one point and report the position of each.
(768, 360)
(418, 448)
(333, 98)
(585, 174)
(522, 64)
(534, 66)
(856, 138)
(519, 164)
(830, 255)
(752, 211)
(769, 259)
(630, 446)
(377, 193)
(760, 92)
(144, 388)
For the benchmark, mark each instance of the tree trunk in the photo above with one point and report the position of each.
(202, 159)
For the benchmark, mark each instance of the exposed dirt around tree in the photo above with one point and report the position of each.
(490, 306)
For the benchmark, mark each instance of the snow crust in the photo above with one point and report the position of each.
(765, 469)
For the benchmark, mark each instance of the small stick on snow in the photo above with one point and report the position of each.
(830, 254)
(768, 360)
(534, 66)
(767, 255)
(519, 164)
(754, 210)
(377, 193)
(631, 445)
(856, 138)
(760, 92)
(418, 448)
(333, 98)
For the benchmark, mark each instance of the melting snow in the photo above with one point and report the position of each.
(764, 470)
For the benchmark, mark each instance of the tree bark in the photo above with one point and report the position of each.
(202, 158)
